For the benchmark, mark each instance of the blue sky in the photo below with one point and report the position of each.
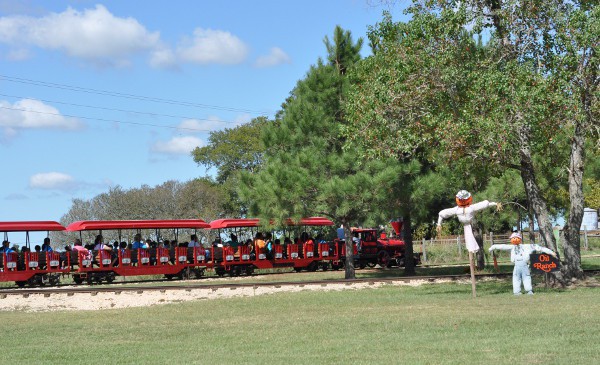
(218, 63)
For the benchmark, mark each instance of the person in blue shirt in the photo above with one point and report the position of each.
(6, 247)
(138, 243)
(46, 245)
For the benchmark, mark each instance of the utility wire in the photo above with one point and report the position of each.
(128, 96)
(107, 120)
(118, 110)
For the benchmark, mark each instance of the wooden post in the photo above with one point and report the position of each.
(585, 238)
(472, 267)
(423, 250)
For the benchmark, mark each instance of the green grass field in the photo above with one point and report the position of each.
(431, 324)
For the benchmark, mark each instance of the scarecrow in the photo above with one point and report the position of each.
(519, 255)
(465, 212)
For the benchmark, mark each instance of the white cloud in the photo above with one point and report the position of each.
(242, 119)
(212, 46)
(177, 145)
(275, 57)
(52, 181)
(163, 57)
(212, 123)
(31, 114)
(93, 34)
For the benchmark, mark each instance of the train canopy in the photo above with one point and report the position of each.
(255, 222)
(137, 224)
(30, 226)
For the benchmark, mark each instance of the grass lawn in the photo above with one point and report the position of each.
(431, 324)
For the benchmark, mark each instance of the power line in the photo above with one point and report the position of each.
(128, 96)
(118, 110)
(107, 120)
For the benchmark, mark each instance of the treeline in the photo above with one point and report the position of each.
(195, 199)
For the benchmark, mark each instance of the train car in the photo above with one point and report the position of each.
(26, 267)
(301, 255)
(104, 265)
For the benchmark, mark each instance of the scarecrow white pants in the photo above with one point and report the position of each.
(521, 274)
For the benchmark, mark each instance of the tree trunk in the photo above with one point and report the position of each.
(409, 261)
(534, 195)
(572, 245)
(349, 264)
(531, 220)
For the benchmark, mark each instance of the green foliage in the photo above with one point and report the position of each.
(233, 149)
(306, 172)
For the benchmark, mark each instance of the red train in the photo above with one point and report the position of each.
(236, 257)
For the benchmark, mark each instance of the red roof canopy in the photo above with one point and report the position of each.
(30, 226)
(137, 224)
(312, 221)
(255, 222)
(234, 222)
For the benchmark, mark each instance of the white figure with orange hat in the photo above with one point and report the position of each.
(519, 255)
(465, 212)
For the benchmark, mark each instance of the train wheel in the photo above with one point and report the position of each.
(54, 280)
(298, 269)
(20, 284)
(169, 276)
(325, 266)
(371, 264)
(220, 271)
(249, 270)
(78, 279)
(383, 259)
(313, 266)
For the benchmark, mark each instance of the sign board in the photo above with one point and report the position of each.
(543, 263)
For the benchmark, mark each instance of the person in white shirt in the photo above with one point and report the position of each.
(519, 255)
(465, 212)
(194, 241)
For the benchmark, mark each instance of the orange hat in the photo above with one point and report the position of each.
(464, 198)
(516, 238)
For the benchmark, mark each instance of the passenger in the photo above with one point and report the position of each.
(234, 241)
(68, 248)
(356, 241)
(194, 241)
(46, 245)
(6, 247)
(259, 243)
(137, 242)
(269, 246)
(99, 244)
(286, 243)
(77, 246)
(250, 246)
(208, 248)
(150, 243)
(38, 248)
